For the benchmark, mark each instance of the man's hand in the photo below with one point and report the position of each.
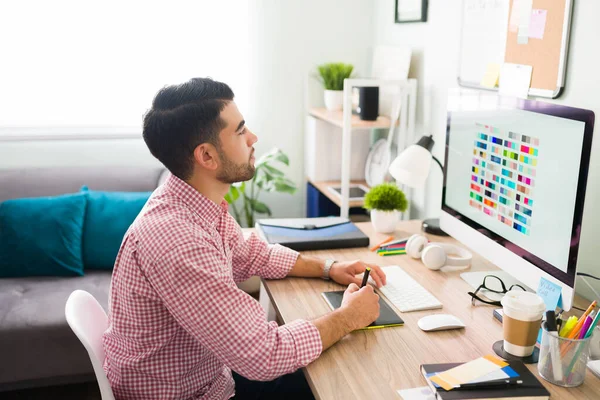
(344, 272)
(362, 305)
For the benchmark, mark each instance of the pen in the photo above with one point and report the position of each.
(586, 326)
(384, 242)
(568, 325)
(365, 277)
(398, 241)
(590, 331)
(393, 246)
(559, 323)
(577, 328)
(391, 253)
(554, 350)
(489, 384)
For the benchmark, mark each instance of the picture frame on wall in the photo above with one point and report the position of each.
(410, 11)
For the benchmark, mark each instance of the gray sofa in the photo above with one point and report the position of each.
(37, 347)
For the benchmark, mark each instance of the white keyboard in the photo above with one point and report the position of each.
(405, 293)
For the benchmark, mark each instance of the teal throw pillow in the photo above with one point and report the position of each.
(108, 216)
(42, 236)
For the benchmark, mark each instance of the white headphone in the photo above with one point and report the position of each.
(435, 255)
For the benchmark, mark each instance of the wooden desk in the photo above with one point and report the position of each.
(374, 364)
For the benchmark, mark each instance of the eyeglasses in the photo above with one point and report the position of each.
(492, 284)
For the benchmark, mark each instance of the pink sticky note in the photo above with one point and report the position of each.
(537, 24)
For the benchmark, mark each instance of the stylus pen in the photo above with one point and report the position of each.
(489, 384)
(365, 277)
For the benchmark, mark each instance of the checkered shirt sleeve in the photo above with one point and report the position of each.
(254, 257)
(194, 284)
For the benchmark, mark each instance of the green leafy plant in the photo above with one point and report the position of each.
(386, 197)
(333, 75)
(267, 178)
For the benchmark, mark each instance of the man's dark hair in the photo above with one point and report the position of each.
(183, 117)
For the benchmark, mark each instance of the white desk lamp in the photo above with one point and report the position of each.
(411, 168)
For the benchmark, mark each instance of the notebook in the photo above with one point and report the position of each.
(387, 316)
(312, 233)
(530, 389)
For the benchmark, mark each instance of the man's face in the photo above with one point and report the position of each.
(235, 150)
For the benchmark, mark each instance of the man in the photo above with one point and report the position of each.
(178, 324)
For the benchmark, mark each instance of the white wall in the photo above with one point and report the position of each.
(291, 38)
(435, 65)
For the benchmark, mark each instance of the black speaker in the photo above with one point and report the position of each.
(368, 103)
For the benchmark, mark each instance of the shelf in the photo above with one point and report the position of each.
(322, 186)
(336, 118)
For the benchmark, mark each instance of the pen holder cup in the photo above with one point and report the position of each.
(563, 361)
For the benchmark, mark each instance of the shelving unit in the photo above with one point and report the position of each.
(407, 90)
(323, 187)
(336, 118)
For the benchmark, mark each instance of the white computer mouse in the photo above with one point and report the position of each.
(440, 322)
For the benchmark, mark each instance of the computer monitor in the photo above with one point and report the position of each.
(514, 184)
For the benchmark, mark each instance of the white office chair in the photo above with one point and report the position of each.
(87, 319)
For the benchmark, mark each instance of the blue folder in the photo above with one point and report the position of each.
(312, 233)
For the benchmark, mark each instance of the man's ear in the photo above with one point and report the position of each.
(205, 155)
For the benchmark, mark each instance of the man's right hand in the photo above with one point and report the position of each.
(361, 305)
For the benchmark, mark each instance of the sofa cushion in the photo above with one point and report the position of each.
(36, 342)
(42, 236)
(108, 216)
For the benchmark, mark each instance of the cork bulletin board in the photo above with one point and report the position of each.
(490, 35)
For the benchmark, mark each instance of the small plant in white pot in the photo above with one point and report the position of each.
(385, 202)
(333, 75)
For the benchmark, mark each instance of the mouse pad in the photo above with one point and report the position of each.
(387, 316)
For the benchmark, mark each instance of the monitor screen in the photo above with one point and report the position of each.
(516, 171)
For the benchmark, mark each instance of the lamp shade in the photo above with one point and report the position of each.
(411, 167)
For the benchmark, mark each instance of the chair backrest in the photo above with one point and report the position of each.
(87, 319)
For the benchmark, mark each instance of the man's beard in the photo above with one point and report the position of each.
(231, 172)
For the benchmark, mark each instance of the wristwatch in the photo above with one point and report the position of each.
(328, 264)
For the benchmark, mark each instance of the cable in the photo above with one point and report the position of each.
(588, 276)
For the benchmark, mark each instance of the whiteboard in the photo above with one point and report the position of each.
(483, 38)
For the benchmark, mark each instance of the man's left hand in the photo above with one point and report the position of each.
(344, 272)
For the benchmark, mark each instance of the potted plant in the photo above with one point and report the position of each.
(385, 202)
(333, 75)
(267, 178)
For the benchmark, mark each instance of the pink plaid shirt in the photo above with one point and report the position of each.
(178, 324)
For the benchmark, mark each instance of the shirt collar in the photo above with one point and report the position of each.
(201, 205)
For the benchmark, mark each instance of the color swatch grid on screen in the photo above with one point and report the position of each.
(503, 176)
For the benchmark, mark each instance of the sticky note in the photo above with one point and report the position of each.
(492, 74)
(551, 293)
(524, 18)
(420, 393)
(537, 24)
(513, 23)
(515, 80)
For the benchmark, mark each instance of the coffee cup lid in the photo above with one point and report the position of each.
(524, 301)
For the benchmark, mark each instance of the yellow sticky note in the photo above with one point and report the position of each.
(492, 73)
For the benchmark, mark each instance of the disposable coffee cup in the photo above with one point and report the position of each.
(521, 321)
